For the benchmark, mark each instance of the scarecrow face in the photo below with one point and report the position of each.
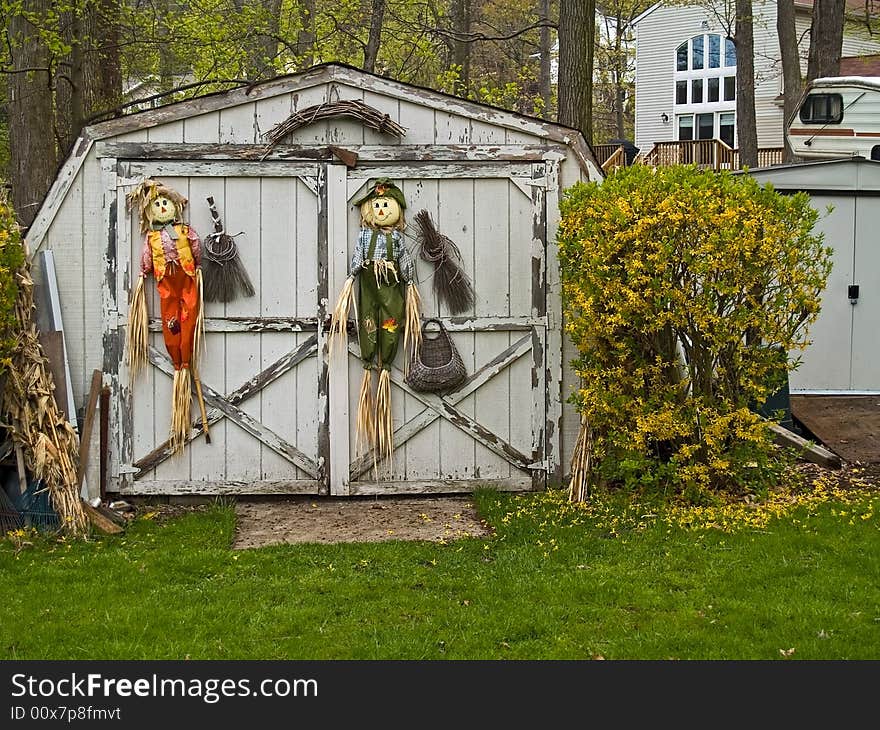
(162, 210)
(385, 211)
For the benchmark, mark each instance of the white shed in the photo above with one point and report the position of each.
(281, 411)
(845, 351)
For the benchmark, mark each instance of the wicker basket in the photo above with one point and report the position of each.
(436, 366)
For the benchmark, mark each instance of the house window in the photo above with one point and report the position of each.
(729, 53)
(730, 88)
(713, 90)
(822, 109)
(705, 88)
(726, 127)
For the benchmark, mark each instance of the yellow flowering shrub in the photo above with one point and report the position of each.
(11, 259)
(685, 290)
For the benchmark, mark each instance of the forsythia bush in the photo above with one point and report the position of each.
(11, 259)
(684, 291)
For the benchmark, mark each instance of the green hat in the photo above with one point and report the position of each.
(382, 188)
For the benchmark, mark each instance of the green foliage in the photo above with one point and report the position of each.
(11, 259)
(684, 290)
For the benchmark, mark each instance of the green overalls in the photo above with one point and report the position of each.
(381, 307)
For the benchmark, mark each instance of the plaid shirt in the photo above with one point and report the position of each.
(169, 246)
(405, 264)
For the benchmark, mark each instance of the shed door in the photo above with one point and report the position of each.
(261, 375)
(492, 430)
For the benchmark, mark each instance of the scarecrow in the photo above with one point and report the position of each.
(172, 254)
(388, 305)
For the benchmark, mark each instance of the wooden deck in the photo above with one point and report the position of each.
(847, 425)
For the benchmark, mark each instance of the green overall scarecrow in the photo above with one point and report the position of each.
(388, 306)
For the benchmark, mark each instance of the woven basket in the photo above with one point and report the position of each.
(436, 366)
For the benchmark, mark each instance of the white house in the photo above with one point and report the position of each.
(685, 83)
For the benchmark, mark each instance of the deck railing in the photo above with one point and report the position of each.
(711, 153)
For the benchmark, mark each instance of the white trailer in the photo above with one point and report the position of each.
(837, 117)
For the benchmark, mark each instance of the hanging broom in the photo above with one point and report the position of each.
(225, 275)
(451, 284)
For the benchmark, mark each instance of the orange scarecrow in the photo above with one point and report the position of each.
(172, 254)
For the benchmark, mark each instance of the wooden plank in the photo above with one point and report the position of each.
(201, 129)
(278, 266)
(242, 419)
(333, 261)
(271, 112)
(218, 168)
(102, 523)
(451, 128)
(426, 416)
(85, 437)
(104, 441)
(387, 105)
(253, 324)
(539, 309)
(57, 194)
(169, 132)
(238, 124)
(256, 384)
(492, 285)
(457, 216)
(848, 425)
(307, 304)
(111, 340)
(366, 153)
(439, 486)
(448, 171)
(195, 487)
(808, 451)
(52, 344)
(553, 299)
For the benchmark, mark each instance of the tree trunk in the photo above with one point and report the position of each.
(371, 52)
(546, 50)
(826, 38)
(791, 66)
(619, 76)
(33, 155)
(461, 49)
(305, 39)
(577, 30)
(746, 126)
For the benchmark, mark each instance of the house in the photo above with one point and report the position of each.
(281, 410)
(685, 85)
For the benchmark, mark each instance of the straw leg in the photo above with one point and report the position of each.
(198, 382)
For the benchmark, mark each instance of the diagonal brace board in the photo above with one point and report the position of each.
(444, 407)
(226, 407)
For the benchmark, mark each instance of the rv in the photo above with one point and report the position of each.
(837, 117)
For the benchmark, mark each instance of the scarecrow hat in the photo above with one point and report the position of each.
(382, 188)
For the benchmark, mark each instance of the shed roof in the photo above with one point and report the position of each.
(315, 76)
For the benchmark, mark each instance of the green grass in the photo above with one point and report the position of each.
(555, 582)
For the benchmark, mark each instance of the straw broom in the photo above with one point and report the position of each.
(581, 464)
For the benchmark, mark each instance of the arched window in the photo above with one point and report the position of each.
(705, 89)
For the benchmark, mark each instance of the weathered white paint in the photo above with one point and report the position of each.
(280, 243)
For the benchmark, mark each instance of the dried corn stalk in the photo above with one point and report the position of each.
(33, 419)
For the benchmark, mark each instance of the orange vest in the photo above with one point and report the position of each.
(184, 252)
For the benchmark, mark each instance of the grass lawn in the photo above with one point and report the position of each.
(797, 577)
